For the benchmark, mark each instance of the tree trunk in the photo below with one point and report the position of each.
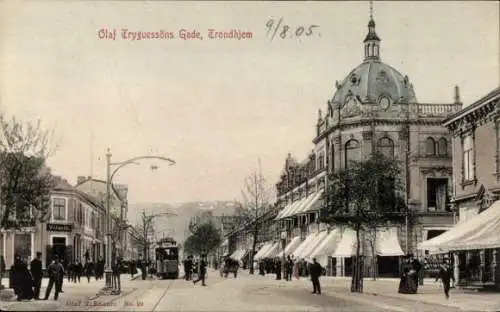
(356, 282)
(252, 252)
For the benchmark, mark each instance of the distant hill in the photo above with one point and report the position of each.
(177, 227)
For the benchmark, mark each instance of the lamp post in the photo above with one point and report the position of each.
(283, 245)
(109, 178)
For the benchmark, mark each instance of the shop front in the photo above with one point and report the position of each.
(59, 242)
(475, 246)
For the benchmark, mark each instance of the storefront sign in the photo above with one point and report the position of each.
(55, 227)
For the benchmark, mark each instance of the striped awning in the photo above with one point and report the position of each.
(263, 250)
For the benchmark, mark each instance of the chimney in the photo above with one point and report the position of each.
(80, 179)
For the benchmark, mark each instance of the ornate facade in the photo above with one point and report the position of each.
(375, 108)
(475, 134)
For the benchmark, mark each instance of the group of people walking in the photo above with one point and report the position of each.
(199, 267)
(413, 272)
(293, 268)
(27, 281)
(76, 270)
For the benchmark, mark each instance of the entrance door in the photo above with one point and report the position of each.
(59, 247)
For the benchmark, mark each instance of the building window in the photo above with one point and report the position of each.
(468, 159)
(321, 162)
(59, 209)
(442, 147)
(386, 147)
(352, 152)
(437, 194)
(430, 147)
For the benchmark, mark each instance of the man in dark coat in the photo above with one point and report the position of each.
(37, 274)
(54, 276)
(445, 275)
(59, 283)
(202, 270)
(315, 271)
(417, 267)
(188, 268)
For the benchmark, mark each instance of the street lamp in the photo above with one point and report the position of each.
(109, 178)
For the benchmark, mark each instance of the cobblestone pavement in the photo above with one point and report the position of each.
(257, 293)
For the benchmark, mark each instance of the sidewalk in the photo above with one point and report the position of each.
(430, 292)
(83, 294)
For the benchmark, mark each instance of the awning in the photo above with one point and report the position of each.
(387, 242)
(262, 250)
(347, 245)
(298, 207)
(291, 247)
(238, 254)
(310, 205)
(328, 245)
(283, 213)
(480, 231)
(273, 251)
(314, 243)
(303, 245)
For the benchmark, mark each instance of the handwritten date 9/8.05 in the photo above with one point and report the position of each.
(283, 31)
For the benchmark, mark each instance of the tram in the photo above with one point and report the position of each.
(167, 259)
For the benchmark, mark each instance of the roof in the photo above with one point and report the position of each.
(491, 96)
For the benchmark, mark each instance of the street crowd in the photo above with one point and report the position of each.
(26, 280)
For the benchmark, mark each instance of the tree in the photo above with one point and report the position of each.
(25, 181)
(145, 228)
(205, 239)
(364, 196)
(256, 197)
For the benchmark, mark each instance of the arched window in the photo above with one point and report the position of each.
(442, 147)
(430, 147)
(386, 147)
(352, 152)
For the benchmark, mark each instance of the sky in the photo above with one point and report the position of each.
(217, 106)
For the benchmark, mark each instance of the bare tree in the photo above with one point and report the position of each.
(256, 202)
(25, 181)
(145, 228)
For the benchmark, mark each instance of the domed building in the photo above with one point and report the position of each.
(374, 108)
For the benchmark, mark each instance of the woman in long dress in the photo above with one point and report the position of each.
(24, 280)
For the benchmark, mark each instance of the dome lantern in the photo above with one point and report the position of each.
(372, 41)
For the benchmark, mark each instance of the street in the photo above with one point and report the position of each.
(245, 293)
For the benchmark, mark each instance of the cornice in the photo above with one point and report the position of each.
(469, 119)
(376, 122)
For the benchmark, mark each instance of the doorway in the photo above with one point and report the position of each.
(59, 247)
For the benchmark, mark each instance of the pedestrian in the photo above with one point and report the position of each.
(61, 276)
(188, 268)
(88, 269)
(417, 267)
(445, 276)
(53, 271)
(277, 265)
(37, 274)
(202, 270)
(23, 281)
(78, 271)
(315, 270)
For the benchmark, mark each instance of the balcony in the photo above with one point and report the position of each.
(434, 110)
